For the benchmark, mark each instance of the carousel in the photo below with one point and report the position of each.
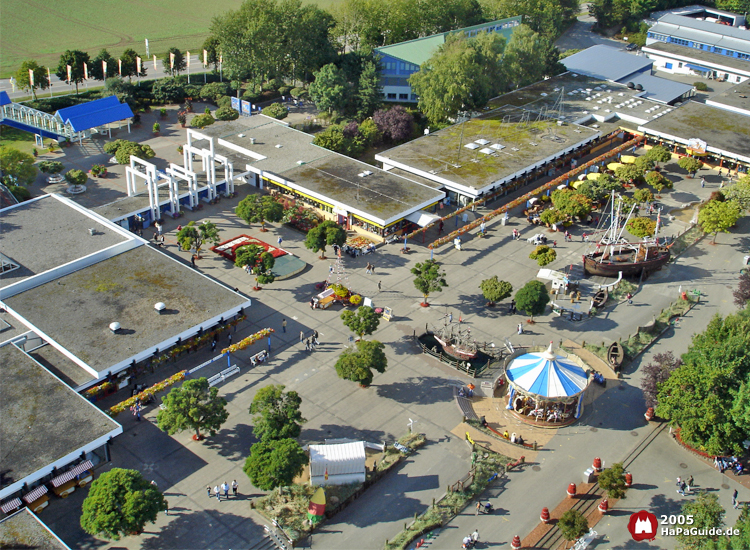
(545, 388)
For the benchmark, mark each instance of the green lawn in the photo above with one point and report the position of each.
(31, 29)
(17, 139)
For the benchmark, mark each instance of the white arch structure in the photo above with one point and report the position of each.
(209, 160)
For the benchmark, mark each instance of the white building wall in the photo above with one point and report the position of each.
(342, 479)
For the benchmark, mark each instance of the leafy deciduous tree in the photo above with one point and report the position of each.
(494, 290)
(532, 298)
(193, 406)
(193, 236)
(612, 480)
(718, 216)
(274, 463)
(23, 78)
(357, 365)
(365, 321)
(572, 203)
(259, 209)
(656, 373)
(543, 255)
(629, 173)
(428, 278)
(325, 234)
(174, 67)
(260, 262)
(643, 195)
(119, 503)
(76, 178)
(212, 46)
(96, 67)
(277, 414)
(658, 181)
(659, 153)
(740, 193)
(396, 123)
(641, 227)
(529, 57)
(573, 525)
(75, 59)
(329, 90)
(690, 165)
(706, 513)
(130, 64)
(16, 167)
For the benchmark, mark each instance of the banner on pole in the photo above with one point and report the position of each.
(154, 61)
(104, 68)
(147, 52)
(188, 59)
(70, 69)
(31, 77)
(119, 67)
(138, 65)
(171, 61)
(86, 71)
(205, 58)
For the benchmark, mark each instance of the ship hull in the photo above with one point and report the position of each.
(593, 264)
(458, 353)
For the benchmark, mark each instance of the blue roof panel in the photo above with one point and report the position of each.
(606, 63)
(87, 107)
(95, 113)
(4, 99)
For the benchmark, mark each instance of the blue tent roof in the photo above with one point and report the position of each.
(4, 99)
(95, 113)
(547, 375)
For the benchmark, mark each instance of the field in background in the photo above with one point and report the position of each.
(32, 29)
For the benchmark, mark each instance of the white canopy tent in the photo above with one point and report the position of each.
(337, 464)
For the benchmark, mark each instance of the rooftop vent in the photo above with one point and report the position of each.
(630, 85)
(497, 146)
(481, 141)
(300, 162)
(160, 307)
(471, 146)
(639, 87)
(252, 141)
(486, 151)
(92, 231)
(114, 327)
(279, 146)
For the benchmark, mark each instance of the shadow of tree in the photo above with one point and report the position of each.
(408, 391)
(233, 443)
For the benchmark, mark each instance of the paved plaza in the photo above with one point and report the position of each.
(413, 387)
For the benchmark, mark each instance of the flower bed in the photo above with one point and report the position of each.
(359, 242)
(100, 389)
(246, 342)
(228, 249)
(148, 392)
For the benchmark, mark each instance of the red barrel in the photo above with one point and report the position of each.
(603, 506)
(628, 479)
(649, 414)
(571, 490)
(516, 544)
(597, 465)
(545, 515)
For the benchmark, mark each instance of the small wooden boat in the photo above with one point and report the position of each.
(600, 298)
(615, 355)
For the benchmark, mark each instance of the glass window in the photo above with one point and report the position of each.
(667, 65)
(391, 96)
(403, 96)
(679, 65)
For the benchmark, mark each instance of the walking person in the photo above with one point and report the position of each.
(689, 483)
(520, 328)
(192, 260)
(379, 287)
(278, 241)
(208, 490)
(629, 298)
(315, 335)
(229, 337)
(166, 506)
(703, 182)
(512, 307)
(475, 536)
(307, 344)
(234, 487)
(735, 504)
(301, 336)
(283, 325)
(478, 508)
(213, 345)
(217, 493)
(225, 488)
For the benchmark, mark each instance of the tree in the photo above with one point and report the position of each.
(552, 216)
(573, 525)
(129, 60)
(369, 91)
(462, 75)
(655, 374)
(658, 181)
(193, 236)
(742, 292)
(201, 121)
(599, 188)
(16, 167)
(168, 90)
(357, 365)
(174, 67)
(274, 463)
(329, 90)
(396, 123)
(76, 178)
(276, 110)
(543, 255)
(211, 45)
(120, 502)
(325, 233)
(740, 193)
(532, 298)
(628, 173)
(690, 165)
(645, 163)
(572, 203)
(707, 513)
(277, 414)
(123, 149)
(260, 262)
(718, 216)
(259, 209)
(716, 359)
(23, 78)
(529, 57)
(363, 322)
(193, 406)
(428, 278)
(641, 227)
(741, 541)
(659, 153)
(96, 67)
(612, 480)
(494, 290)
(75, 60)
(643, 195)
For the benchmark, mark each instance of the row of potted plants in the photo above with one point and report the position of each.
(148, 392)
(246, 342)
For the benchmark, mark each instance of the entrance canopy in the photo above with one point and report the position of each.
(422, 218)
(547, 375)
(94, 113)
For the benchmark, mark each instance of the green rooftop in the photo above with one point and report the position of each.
(419, 50)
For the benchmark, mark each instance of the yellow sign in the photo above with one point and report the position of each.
(469, 439)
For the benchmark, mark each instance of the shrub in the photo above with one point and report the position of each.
(192, 90)
(612, 480)
(53, 166)
(226, 113)
(168, 90)
(543, 255)
(162, 112)
(284, 90)
(251, 96)
(573, 525)
(298, 93)
(157, 127)
(700, 86)
(276, 110)
(224, 101)
(641, 227)
(201, 121)
(355, 299)
(20, 192)
(552, 216)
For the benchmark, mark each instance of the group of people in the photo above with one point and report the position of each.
(513, 438)
(728, 463)
(310, 343)
(516, 234)
(223, 488)
(684, 485)
(470, 540)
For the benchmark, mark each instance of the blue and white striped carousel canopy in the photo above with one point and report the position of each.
(547, 375)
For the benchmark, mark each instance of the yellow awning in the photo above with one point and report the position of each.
(593, 176)
(576, 184)
(614, 165)
(627, 159)
(329, 205)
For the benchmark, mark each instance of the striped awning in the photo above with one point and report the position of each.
(11, 506)
(35, 494)
(72, 473)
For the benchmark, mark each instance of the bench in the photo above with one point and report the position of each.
(223, 375)
(464, 405)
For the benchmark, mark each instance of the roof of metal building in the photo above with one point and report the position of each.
(659, 89)
(704, 32)
(712, 60)
(606, 63)
(95, 113)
